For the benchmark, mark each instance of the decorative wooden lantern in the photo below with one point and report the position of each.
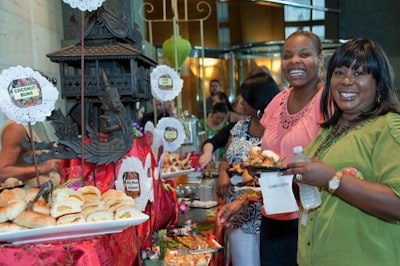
(108, 47)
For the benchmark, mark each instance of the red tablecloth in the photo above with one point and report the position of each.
(111, 249)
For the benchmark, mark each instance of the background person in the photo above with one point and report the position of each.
(214, 88)
(164, 109)
(221, 97)
(216, 120)
(355, 164)
(216, 142)
(222, 137)
(291, 119)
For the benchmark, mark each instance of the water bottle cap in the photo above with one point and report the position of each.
(297, 149)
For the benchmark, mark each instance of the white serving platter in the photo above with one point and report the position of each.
(71, 231)
(177, 174)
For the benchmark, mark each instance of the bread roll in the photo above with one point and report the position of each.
(31, 194)
(271, 154)
(13, 194)
(33, 219)
(11, 182)
(76, 218)
(10, 227)
(112, 193)
(113, 202)
(65, 207)
(41, 207)
(126, 212)
(92, 206)
(90, 193)
(100, 216)
(63, 194)
(12, 210)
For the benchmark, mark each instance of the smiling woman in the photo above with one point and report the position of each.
(291, 119)
(361, 129)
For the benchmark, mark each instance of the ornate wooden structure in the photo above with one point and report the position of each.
(110, 47)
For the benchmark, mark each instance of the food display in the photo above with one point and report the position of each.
(175, 258)
(263, 158)
(65, 207)
(174, 166)
(258, 160)
(190, 250)
(173, 163)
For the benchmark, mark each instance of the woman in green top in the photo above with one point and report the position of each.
(215, 121)
(356, 164)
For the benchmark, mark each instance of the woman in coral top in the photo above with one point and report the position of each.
(291, 119)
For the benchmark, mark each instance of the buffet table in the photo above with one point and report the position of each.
(204, 213)
(110, 249)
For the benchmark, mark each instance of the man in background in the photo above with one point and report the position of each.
(215, 88)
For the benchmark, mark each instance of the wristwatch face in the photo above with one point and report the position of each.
(334, 184)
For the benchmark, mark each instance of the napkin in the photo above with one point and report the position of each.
(277, 193)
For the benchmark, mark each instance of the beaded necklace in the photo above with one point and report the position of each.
(334, 135)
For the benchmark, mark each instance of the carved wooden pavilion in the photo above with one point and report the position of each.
(110, 47)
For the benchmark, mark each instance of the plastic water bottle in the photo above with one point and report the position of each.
(310, 197)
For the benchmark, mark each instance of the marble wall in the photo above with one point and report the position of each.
(29, 29)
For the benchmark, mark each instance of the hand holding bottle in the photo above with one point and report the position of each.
(310, 197)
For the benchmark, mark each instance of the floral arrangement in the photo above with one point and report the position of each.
(138, 130)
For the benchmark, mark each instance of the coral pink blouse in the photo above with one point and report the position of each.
(283, 131)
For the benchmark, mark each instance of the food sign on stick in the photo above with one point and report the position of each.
(165, 83)
(143, 189)
(173, 133)
(26, 96)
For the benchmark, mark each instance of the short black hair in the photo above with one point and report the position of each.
(259, 89)
(368, 55)
(220, 107)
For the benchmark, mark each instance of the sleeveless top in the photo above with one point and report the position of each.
(249, 219)
(54, 176)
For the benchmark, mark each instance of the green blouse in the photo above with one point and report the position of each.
(339, 234)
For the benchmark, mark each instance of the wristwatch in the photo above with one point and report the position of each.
(334, 183)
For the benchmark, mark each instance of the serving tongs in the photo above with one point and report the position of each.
(46, 186)
(219, 249)
(200, 251)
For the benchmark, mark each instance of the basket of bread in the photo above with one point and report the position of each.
(64, 207)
